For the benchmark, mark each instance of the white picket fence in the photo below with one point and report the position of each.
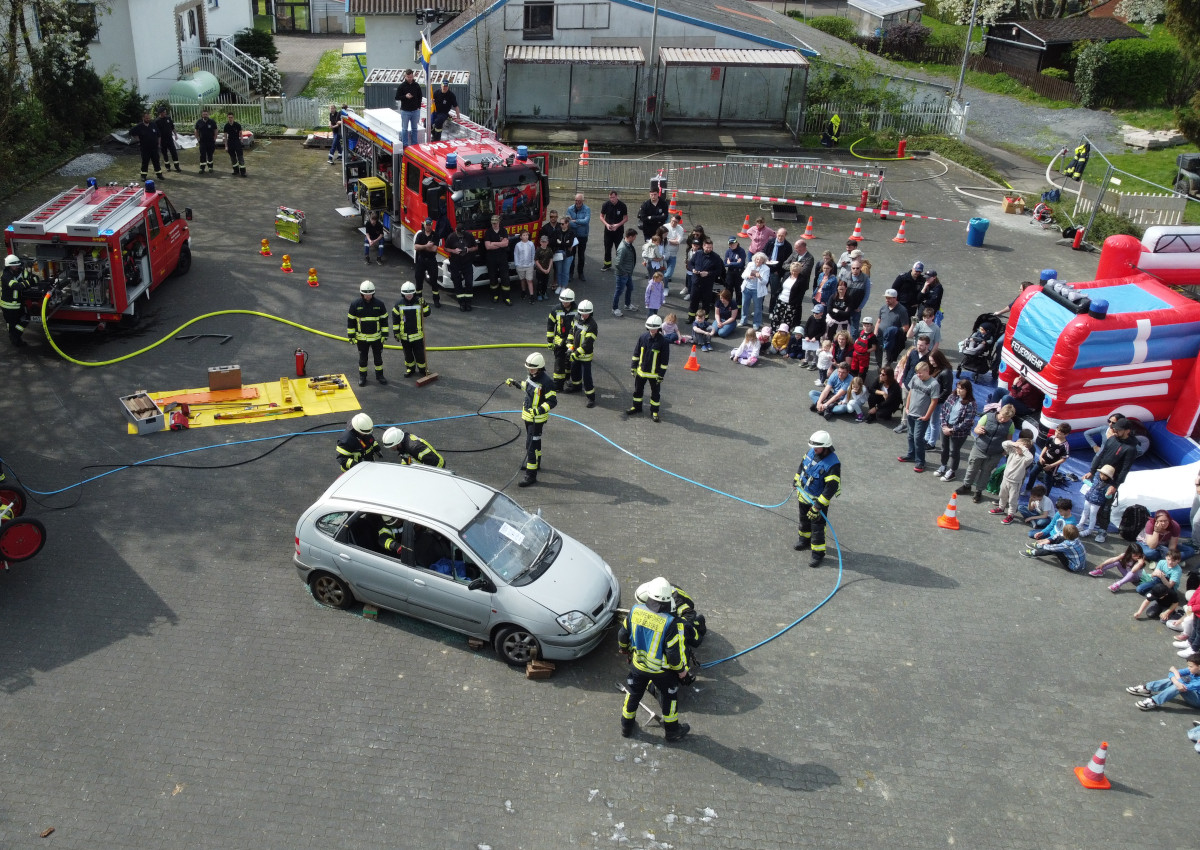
(1142, 208)
(949, 119)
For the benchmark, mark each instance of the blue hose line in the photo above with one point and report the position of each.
(837, 543)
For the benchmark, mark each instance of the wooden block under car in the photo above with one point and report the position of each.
(476, 643)
(224, 378)
(370, 612)
(538, 669)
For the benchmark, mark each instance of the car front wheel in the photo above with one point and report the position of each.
(332, 591)
(516, 646)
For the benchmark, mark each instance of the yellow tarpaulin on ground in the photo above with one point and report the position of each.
(315, 402)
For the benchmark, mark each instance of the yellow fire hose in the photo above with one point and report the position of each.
(65, 356)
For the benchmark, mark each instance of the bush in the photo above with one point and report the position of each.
(1056, 73)
(272, 80)
(1109, 224)
(257, 43)
(1137, 71)
(957, 151)
(123, 103)
(837, 27)
(1091, 60)
(905, 37)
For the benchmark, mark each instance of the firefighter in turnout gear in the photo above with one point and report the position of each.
(540, 399)
(581, 350)
(462, 246)
(15, 286)
(408, 326)
(366, 326)
(425, 246)
(817, 481)
(650, 358)
(411, 448)
(391, 535)
(357, 443)
(653, 639)
(1075, 167)
(559, 325)
(682, 606)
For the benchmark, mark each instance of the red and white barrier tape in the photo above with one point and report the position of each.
(860, 210)
(815, 166)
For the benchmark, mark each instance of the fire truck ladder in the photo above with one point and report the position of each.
(38, 222)
(93, 223)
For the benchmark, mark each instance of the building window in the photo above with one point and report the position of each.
(539, 22)
(86, 19)
(191, 23)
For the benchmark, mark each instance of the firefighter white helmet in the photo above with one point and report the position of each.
(12, 260)
(654, 323)
(821, 440)
(366, 288)
(585, 306)
(390, 520)
(392, 437)
(535, 361)
(660, 590)
(409, 288)
(567, 296)
(643, 592)
(362, 423)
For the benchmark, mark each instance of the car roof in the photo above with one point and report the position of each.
(419, 490)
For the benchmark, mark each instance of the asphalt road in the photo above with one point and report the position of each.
(167, 681)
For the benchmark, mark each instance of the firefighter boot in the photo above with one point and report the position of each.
(636, 410)
(177, 168)
(159, 175)
(379, 377)
(362, 379)
(529, 479)
(628, 728)
(802, 544)
(677, 731)
(816, 559)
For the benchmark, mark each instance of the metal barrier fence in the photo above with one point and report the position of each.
(947, 119)
(300, 112)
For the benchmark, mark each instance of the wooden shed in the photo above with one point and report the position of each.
(1036, 45)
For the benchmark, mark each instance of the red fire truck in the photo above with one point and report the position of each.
(464, 179)
(98, 249)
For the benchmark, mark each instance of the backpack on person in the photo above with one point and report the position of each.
(1133, 521)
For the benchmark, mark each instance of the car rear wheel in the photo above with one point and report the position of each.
(14, 498)
(21, 539)
(516, 646)
(332, 591)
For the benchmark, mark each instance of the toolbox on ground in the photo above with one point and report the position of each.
(143, 412)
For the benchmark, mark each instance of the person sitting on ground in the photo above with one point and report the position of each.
(990, 433)
(795, 349)
(884, 396)
(832, 399)
(1067, 549)
(858, 399)
(1094, 500)
(1058, 522)
(1162, 586)
(1053, 455)
(1184, 684)
(958, 417)
(1139, 572)
(702, 330)
(1020, 456)
(747, 353)
(781, 339)
(1022, 395)
(726, 314)
(1160, 534)
(1038, 509)
(1188, 639)
(670, 329)
(1127, 563)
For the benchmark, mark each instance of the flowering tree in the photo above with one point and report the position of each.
(1141, 11)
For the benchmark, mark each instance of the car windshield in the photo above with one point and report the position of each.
(516, 204)
(514, 544)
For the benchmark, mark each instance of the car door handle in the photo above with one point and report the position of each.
(343, 556)
(419, 582)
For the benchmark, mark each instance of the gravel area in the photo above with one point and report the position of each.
(1005, 121)
(86, 165)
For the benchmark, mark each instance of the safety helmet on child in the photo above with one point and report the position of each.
(392, 437)
(567, 295)
(12, 260)
(654, 323)
(535, 361)
(821, 440)
(362, 423)
(408, 288)
(585, 306)
(366, 288)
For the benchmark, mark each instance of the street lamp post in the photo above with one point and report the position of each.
(966, 50)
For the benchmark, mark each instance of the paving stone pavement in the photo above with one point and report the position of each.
(167, 680)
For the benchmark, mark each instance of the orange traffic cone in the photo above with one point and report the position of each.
(808, 231)
(674, 210)
(583, 157)
(745, 231)
(899, 237)
(949, 519)
(312, 278)
(266, 248)
(857, 234)
(287, 264)
(1093, 776)
(693, 365)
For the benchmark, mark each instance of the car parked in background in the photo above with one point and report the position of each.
(470, 559)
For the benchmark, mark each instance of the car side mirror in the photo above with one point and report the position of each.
(482, 583)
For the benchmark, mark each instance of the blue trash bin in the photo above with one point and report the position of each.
(975, 231)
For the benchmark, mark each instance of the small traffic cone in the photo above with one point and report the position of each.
(312, 278)
(673, 210)
(693, 365)
(808, 231)
(745, 231)
(857, 234)
(583, 156)
(899, 237)
(287, 264)
(949, 519)
(266, 248)
(1093, 776)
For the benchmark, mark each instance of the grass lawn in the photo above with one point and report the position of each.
(335, 78)
(995, 83)
(949, 33)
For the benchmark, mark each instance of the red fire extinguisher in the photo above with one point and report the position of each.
(863, 202)
(301, 362)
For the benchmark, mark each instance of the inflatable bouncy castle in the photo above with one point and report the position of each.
(1127, 341)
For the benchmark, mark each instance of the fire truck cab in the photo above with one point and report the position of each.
(464, 179)
(98, 249)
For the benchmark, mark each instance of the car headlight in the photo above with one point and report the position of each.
(575, 622)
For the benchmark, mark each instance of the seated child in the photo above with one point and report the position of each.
(858, 399)
(1132, 561)
(814, 331)
(795, 349)
(1094, 499)
(747, 352)
(702, 330)
(976, 343)
(1162, 586)
(1184, 684)
(1051, 457)
(1067, 549)
(670, 329)
(1037, 512)
(764, 339)
(1063, 508)
(780, 339)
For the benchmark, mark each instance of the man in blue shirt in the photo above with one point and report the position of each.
(832, 398)
(580, 217)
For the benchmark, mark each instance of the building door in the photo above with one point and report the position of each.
(291, 17)
(191, 25)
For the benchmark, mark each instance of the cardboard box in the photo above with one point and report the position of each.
(143, 412)
(224, 378)
(1014, 205)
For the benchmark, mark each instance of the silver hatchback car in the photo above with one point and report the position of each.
(464, 556)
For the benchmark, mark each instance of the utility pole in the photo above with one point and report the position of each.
(966, 50)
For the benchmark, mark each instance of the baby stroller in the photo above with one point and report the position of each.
(981, 350)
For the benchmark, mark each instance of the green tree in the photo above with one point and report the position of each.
(1183, 22)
